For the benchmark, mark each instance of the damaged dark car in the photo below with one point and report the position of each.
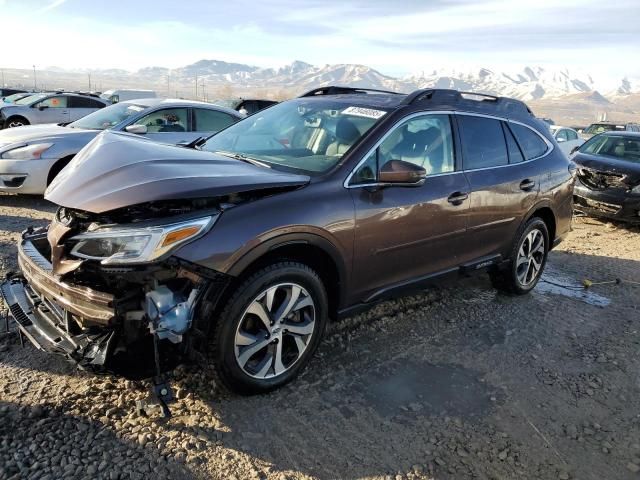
(237, 252)
(608, 175)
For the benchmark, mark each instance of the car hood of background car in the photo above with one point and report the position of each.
(629, 169)
(44, 133)
(118, 170)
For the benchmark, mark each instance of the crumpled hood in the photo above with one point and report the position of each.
(118, 170)
(630, 170)
(46, 132)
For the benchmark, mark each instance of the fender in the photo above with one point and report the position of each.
(275, 239)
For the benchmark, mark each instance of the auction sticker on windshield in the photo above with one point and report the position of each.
(364, 112)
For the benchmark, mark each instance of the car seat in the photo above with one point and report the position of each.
(346, 135)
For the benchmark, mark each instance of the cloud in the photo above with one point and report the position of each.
(52, 6)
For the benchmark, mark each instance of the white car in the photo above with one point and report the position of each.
(567, 138)
(31, 156)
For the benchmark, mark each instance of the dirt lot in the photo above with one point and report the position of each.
(457, 382)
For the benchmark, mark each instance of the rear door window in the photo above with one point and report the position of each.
(84, 102)
(207, 120)
(571, 135)
(531, 143)
(483, 142)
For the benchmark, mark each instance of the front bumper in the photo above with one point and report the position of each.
(25, 176)
(609, 203)
(42, 307)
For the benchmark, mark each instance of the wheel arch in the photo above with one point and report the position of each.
(313, 250)
(57, 167)
(544, 211)
(16, 115)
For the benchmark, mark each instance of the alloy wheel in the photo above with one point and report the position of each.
(16, 123)
(275, 330)
(530, 257)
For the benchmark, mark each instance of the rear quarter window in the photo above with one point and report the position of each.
(532, 145)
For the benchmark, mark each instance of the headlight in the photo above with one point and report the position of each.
(30, 152)
(137, 245)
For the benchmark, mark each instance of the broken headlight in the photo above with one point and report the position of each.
(116, 245)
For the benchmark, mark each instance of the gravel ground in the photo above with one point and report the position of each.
(457, 382)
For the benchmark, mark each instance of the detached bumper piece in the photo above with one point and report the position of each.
(45, 325)
(44, 309)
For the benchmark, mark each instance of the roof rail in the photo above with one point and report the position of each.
(442, 95)
(335, 90)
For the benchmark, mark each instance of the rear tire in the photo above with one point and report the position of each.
(13, 122)
(269, 328)
(528, 258)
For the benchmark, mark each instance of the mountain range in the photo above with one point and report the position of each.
(573, 98)
(530, 83)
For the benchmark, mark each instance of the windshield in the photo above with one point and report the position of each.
(304, 134)
(108, 117)
(31, 98)
(14, 97)
(604, 127)
(617, 146)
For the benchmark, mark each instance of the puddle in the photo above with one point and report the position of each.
(553, 282)
(426, 389)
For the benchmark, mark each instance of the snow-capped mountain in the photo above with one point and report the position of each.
(527, 84)
(530, 83)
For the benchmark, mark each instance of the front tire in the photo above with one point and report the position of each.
(13, 122)
(270, 328)
(527, 260)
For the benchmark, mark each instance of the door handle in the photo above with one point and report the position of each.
(527, 185)
(457, 198)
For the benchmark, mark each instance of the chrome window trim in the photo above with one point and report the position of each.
(550, 146)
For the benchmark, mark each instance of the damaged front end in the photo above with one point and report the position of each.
(104, 291)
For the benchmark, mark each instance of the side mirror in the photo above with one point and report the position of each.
(560, 140)
(42, 107)
(399, 171)
(137, 129)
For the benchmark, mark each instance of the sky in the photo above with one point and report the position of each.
(398, 37)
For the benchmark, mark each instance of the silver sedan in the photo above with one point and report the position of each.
(31, 157)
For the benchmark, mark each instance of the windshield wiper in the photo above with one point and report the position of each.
(194, 143)
(243, 158)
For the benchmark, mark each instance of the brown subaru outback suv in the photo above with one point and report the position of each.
(239, 250)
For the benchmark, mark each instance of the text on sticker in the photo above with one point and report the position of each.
(364, 112)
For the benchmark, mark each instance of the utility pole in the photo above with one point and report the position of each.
(89, 80)
(168, 85)
(3, 84)
(196, 86)
(204, 94)
(35, 83)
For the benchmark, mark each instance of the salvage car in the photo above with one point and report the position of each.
(312, 209)
(600, 127)
(52, 107)
(608, 176)
(32, 156)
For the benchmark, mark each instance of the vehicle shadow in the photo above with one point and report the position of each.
(35, 202)
(11, 223)
(72, 446)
